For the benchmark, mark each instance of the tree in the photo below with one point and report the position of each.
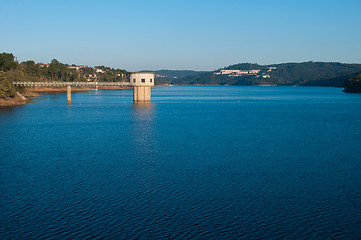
(57, 70)
(7, 61)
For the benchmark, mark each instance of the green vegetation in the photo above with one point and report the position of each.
(245, 66)
(7, 63)
(56, 71)
(111, 74)
(167, 76)
(6, 89)
(314, 73)
(12, 71)
(353, 84)
(299, 74)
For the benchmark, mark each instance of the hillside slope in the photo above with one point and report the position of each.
(299, 74)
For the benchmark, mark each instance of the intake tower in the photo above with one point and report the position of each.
(142, 83)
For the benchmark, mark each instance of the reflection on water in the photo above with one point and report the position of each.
(143, 103)
(143, 110)
(143, 124)
(143, 140)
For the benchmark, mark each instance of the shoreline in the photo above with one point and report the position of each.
(24, 96)
(17, 100)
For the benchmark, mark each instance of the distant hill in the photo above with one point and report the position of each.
(166, 76)
(176, 73)
(299, 74)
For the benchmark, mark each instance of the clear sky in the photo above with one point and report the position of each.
(181, 34)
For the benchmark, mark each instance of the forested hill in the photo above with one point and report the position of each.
(299, 74)
(176, 73)
(165, 76)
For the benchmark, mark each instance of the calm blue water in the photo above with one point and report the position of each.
(208, 162)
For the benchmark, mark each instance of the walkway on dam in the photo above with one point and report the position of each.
(74, 84)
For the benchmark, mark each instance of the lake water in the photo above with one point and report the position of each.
(200, 162)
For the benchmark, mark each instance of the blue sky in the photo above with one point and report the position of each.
(199, 35)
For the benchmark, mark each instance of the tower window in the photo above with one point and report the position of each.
(151, 80)
(134, 80)
(143, 80)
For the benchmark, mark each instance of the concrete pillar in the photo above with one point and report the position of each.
(68, 93)
(135, 93)
(141, 93)
(147, 93)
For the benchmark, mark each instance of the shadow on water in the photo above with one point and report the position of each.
(7, 109)
(10, 112)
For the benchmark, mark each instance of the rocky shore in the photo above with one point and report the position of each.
(18, 99)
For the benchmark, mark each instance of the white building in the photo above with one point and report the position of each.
(237, 72)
